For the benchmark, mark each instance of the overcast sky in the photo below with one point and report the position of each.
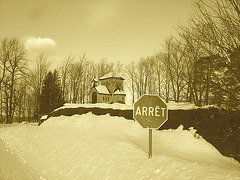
(120, 30)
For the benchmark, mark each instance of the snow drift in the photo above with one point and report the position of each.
(105, 147)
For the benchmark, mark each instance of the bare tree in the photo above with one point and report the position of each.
(159, 70)
(104, 67)
(77, 78)
(167, 56)
(65, 70)
(36, 76)
(130, 71)
(215, 26)
(176, 68)
(3, 68)
(15, 56)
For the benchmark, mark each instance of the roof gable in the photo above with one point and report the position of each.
(119, 92)
(101, 89)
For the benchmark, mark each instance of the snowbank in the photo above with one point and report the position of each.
(118, 106)
(211, 122)
(105, 147)
(181, 105)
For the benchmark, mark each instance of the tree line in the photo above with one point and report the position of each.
(29, 89)
(199, 64)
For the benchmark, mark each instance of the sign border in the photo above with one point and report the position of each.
(162, 101)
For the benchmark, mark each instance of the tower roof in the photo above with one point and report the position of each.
(110, 75)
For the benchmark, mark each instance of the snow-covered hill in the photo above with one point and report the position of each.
(105, 147)
(118, 106)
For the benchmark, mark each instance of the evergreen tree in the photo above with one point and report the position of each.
(51, 95)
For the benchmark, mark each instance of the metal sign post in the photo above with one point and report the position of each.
(150, 144)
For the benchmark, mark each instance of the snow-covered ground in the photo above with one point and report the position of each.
(97, 105)
(104, 147)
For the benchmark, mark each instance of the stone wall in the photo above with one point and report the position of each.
(128, 114)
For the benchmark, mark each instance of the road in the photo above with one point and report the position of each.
(12, 168)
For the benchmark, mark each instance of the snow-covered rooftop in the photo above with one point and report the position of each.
(119, 92)
(101, 89)
(110, 75)
(94, 79)
(44, 117)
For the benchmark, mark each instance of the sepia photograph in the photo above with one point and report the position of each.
(119, 89)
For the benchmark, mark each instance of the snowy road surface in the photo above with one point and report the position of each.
(92, 147)
(11, 166)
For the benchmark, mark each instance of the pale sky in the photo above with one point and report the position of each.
(119, 30)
